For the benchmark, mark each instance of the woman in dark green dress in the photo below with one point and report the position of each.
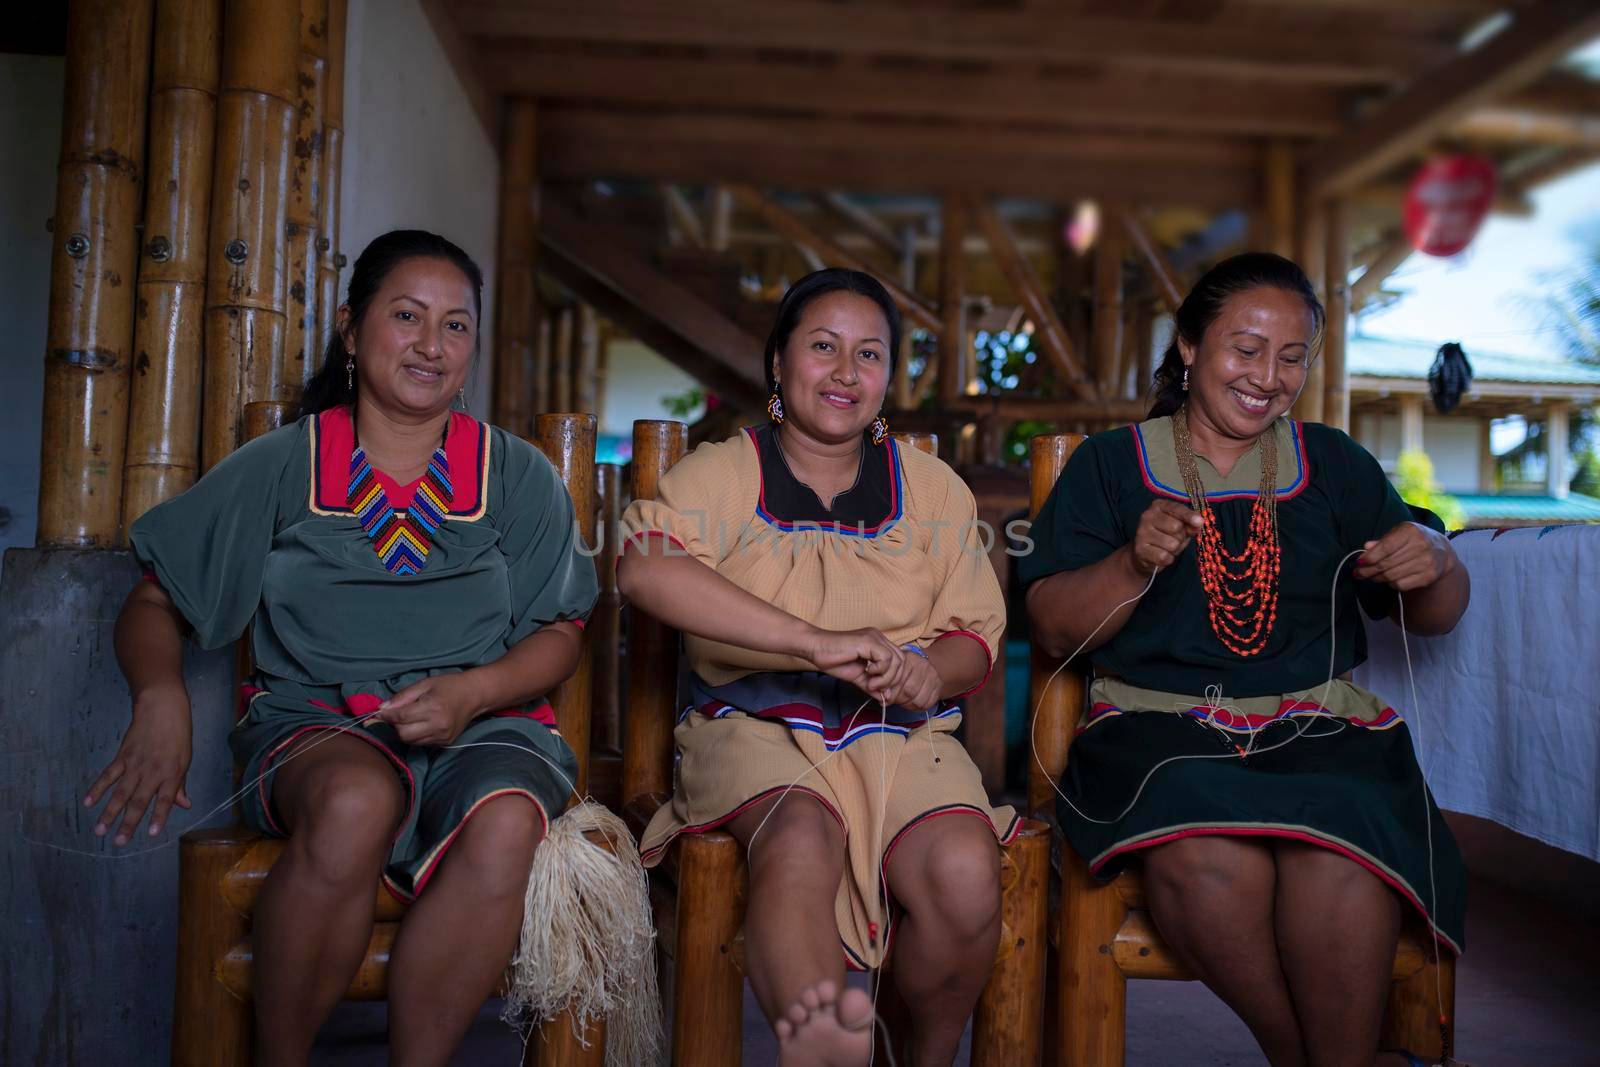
(1279, 811)
(389, 555)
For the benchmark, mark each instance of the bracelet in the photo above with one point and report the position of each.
(914, 650)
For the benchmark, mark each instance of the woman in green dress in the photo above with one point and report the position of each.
(392, 558)
(1279, 811)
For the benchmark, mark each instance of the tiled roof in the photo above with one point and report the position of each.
(1520, 508)
(1387, 357)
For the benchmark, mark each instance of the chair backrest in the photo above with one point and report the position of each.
(1057, 703)
(567, 440)
(652, 695)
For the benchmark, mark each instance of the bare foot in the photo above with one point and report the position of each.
(824, 1029)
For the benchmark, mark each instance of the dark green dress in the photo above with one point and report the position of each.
(1326, 763)
(267, 540)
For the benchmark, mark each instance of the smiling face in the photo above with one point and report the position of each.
(1252, 362)
(414, 344)
(834, 370)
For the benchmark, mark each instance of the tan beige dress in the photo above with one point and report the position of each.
(901, 551)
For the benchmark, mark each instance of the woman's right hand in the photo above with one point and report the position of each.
(1165, 530)
(864, 657)
(151, 765)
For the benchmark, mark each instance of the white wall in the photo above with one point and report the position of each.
(30, 144)
(416, 155)
(1450, 441)
(636, 380)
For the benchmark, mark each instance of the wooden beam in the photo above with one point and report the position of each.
(1221, 47)
(1311, 254)
(1047, 326)
(1554, 165)
(1336, 382)
(603, 268)
(1162, 275)
(1382, 263)
(1105, 337)
(952, 299)
(1389, 197)
(1408, 122)
(810, 155)
(797, 230)
(683, 215)
(721, 218)
(1016, 408)
(516, 305)
(864, 221)
(1279, 197)
(1194, 105)
(1509, 125)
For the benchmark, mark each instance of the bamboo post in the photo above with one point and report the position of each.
(567, 439)
(209, 1024)
(707, 1007)
(329, 259)
(1105, 338)
(246, 284)
(652, 645)
(1162, 276)
(952, 298)
(302, 346)
(163, 454)
(539, 372)
(1008, 1022)
(561, 357)
(1313, 259)
(90, 332)
(586, 362)
(605, 623)
(1336, 380)
(1144, 341)
(1279, 197)
(517, 299)
(1058, 703)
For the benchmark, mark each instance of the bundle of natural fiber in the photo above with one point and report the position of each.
(588, 943)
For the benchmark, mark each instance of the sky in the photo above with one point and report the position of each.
(1488, 295)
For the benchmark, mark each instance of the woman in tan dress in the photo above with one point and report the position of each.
(836, 601)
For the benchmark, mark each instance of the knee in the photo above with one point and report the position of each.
(497, 842)
(801, 842)
(960, 884)
(1208, 867)
(349, 817)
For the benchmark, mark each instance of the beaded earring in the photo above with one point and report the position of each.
(350, 371)
(775, 407)
(880, 430)
(1186, 379)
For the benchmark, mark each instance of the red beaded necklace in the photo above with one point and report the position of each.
(1241, 588)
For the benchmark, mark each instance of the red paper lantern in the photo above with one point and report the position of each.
(1447, 201)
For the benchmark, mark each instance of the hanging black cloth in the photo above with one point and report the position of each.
(1449, 377)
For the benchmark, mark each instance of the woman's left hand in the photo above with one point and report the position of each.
(915, 685)
(1410, 556)
(434, 711)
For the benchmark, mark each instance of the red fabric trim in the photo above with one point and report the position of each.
(336, 441)
(719, 821)
(438, 857)
(151, 576)
(644, 535)
(1292, 835)
(271, 759)
(987, 655)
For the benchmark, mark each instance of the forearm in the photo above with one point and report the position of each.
(962, 664)
(530, 669)
(149, 641)
(1065, 609)
(1435, 609)
(688, 595)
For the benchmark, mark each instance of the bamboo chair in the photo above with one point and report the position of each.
(698, 891)
(1101, 934)
(221, 873)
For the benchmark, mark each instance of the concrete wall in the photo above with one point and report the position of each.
(30, 143)
(1450, 441)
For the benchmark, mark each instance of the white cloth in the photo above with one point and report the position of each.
(1507, 717)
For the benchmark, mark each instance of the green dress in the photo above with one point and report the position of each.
(1284, 752)
(268, 540)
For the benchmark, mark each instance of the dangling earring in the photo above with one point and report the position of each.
(350, 372)
(461, 399)
(1186, 379)
(880, 430)
(775, 407)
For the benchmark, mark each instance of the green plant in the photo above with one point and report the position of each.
(1586, 479)
(1414, 480)
(682, 405)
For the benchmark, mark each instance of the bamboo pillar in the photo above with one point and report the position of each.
(561, 355)
(1311, 253)
(1278, 198)
(1106, 327)
(567, 439)
(1144, 342)
(1336, 381)
(1057, 704)
(517, 300)
(586, 362)
(652, 645)
(163, 454)
(604, 631)
(303, 348)
(329, 259)
(246, 284)
(539, 372)
(952, 298)
(87, 344)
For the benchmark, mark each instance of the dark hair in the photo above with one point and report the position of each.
(330, 387)
(821, 283)
(1237, 274)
